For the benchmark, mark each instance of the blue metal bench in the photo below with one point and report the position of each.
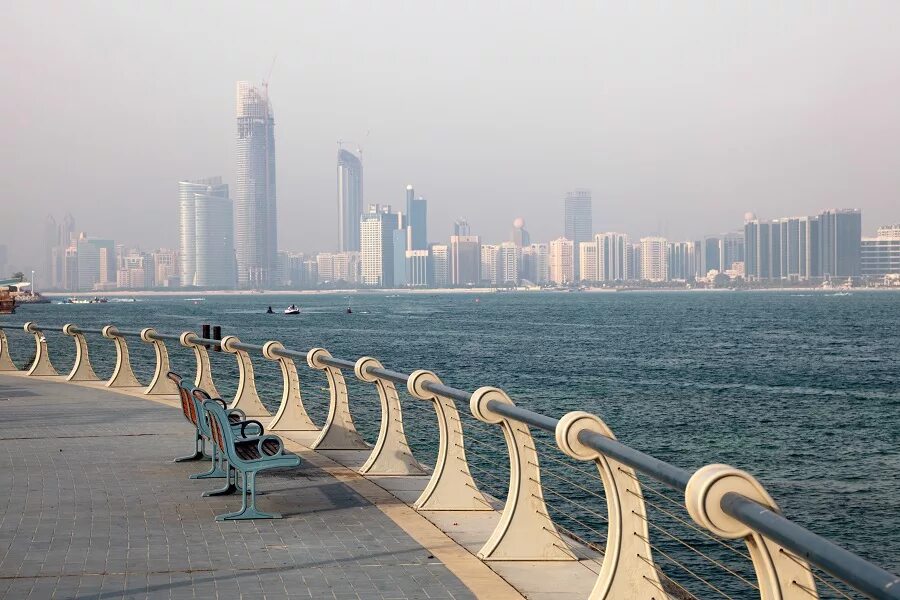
(248, 457)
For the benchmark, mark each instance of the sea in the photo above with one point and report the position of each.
(799, 388)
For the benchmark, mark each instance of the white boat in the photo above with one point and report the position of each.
(293, 309)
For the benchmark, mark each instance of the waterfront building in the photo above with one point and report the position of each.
(731, 249)
(400, 244)
(588, 256)
(376, 232)
(579, 223)
(255, 214)
(654, 259)
(417, 219)
(134, 271)
(710, 258)
(840, 239)
(536, 263)
(508, 263)
(465, 258)
(207, 234)
(562, 261)
(417, 271)
(166, 266)
(57, 239)
(461, 227)
(440, 265)
(96, 263)
(349, 199)
(682, 261)
(331, 267)
(489, 263)
(634, 262)
(880, 255)
(520, 237)
(612, 256)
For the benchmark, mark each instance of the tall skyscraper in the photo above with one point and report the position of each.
(612, 256)
(440, 265)
(587, 256)
(376, 232)
(206, 233)
(509, 258)
(461, 227)
(350, 199)
(536, 263)
(255, 215)
(417, 219)
(465, 259)
(562, 261)
(654, 259)
(682, 261)
(579, 223)
(520, 236)
(840, 241)
(96, 263)
(489, 263)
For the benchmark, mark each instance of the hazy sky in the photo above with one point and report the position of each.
(679, 116)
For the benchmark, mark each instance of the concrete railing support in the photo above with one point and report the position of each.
(339, 432)
(160, 384)
(391, 454)
(525, 530)
(203, 378)
(451, 486)
(245, 398)
(82, 370)
(6, 361)
(781, 574)
(291, 415)
(41, 367)
(628, 571)
(123, 375)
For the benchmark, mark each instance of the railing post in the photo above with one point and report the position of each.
(160, 384)
(391, 454)
(628, 571)
(451, 486)
(6, 362)
(339, 432)
(41, 367)
(291, 415)
(82, 370)
(246, 397)
(123, 375)
(525, 530)
(781, 574)
(203, 379)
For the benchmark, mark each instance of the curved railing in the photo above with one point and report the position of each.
(723, 504)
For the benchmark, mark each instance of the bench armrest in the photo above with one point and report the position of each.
(263, 439)
(244, 425)
(220, 401)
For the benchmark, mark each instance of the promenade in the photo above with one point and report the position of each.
(92, 506)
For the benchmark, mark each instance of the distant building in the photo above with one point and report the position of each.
(400, 244)
(520, 236)
(588, 255)
(465, 259)
(711, 255)
(461, 227)
(682, 261)
(440, 265)
(376, 231)
(332, 267)
(255, 214)
(349, 199)
(96, 263)
(417, 219)
(654, 259)
(880, 255)
(536, 263)
(417, 272)
(612, 256)
(562, 261)
(508, 263)
(206, 234)
(165, 268)
(579, 223)
(841, 236)
(489, 263)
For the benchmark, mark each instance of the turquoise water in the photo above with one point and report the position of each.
(800, 389)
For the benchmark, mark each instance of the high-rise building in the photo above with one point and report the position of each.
(399, 244)
(840, 238)
(376, 231)
(588, 257)
(489, 263)
(206, 234)
(880, 255)
(440, 265)
(536, 263)
(255, 214)
(461, 227)
(96, 263)
(731, 249)
(682, 261)
(350, 199)
(711, 255)
(508, 263)
(520, 236)
(417, 271)
(654, 259)
(612, 256)
(465, 259)
(57, 239)
(579, 223)
(166, 268)
(417, 219)
(562, 261)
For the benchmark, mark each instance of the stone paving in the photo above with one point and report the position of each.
(91, 506)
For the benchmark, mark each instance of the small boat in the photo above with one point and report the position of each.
(349, 311)
(270, 311)
(293, 309)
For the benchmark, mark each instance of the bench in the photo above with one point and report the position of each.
(247, 456)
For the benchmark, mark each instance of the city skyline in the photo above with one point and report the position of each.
(678, 147)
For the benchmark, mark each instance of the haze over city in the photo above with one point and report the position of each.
(679, 119)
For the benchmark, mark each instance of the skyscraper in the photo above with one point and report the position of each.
(350, 199)
(562, 261)
(206, 233)
(465, 259)
(536, 263)
(376, 231)
(256, 239)
(579, 223)
(587, 256)
(612, 256)
(417, 219)
(508, 263)
(654, 259)
(96, 263)
(489, 263)
(840, 241)
(520, 236)
(440, 265)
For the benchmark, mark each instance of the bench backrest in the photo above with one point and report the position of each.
(220, 430)
(197, 397)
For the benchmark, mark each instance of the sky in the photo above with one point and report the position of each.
(679, 116)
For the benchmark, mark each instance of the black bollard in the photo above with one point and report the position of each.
(217, 335)
(205, 333)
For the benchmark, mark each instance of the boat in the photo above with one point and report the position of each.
(270, 311)
(7, 303)
(349, 311)
(293, 309)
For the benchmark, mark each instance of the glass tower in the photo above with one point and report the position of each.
(350, 199)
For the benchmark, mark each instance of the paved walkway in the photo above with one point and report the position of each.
(91, 506)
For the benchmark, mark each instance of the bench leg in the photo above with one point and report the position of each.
(198, 450)
(215, 469)
(248, 511)
(230, 486)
